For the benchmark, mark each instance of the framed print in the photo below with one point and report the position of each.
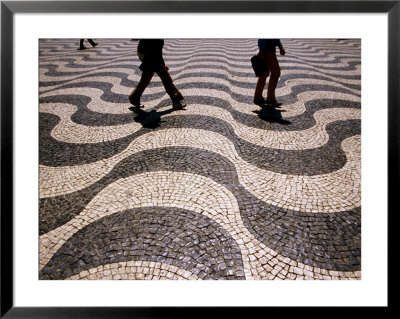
(249, 158)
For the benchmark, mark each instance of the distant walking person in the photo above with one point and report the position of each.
(81, 45)
(150, 53)
(267, 53)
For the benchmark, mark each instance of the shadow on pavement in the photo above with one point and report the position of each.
(270, 114)
(150, 119)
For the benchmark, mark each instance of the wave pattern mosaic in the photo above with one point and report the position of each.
(222, 189)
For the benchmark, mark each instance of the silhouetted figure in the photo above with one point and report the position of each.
(150, 53)
(81, 45)
(267, 54)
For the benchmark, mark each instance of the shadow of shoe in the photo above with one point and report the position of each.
(271, 114)
(150, 119)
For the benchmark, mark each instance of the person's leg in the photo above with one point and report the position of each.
(136, 94)
(258, 94)
(275, 74)
(169, 86)
(81, 46)
(92, 42)
(262, 79)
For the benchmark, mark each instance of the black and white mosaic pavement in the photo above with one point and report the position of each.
(220, 190)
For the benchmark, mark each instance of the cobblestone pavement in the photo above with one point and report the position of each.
(220, 190)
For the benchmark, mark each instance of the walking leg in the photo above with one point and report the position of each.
(136, 94)
(275, 75)
(92, 42)
(169, 86)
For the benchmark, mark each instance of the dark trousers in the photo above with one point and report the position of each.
(144, 81)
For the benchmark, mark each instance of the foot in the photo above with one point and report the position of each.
(179, 105)
(273, 103)
(94, 44)
(136, 104)
(259, 102)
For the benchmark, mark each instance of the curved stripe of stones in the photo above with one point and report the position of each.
(77, 64)
(103, 50)
(131, 63)
(297, 123)
(78, 60)
(51, 70)
(235, 54)
(281, 83)
(303, 121)
(292, 96)
(321, 51)
(124, 81)
(329, 193)
(332, 64)
(176, 66)
(351, 62)
(135, 270)
(247, 70)
(177, 237)
(312, 47)
(319, 134)
(233, 50)
(131, 84)
(88, 59)
(228, 77)
(117, 93)
(54, 153)
(328, 241)
(324, 159)
(123, 76)
(87, 117)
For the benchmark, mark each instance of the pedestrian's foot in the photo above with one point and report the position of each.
(179, 105)
(273, 103)
(94, 44)
(82, 48)
(136, 104)
(259, 102)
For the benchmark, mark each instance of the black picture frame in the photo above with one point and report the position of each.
(9, 8)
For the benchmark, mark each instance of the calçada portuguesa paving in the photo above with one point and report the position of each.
(222, 189)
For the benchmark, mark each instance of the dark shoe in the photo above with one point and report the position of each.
(136, 104)
(273, 103)
(260, 102)
(94, 44)
(179, 105)
(82, 48)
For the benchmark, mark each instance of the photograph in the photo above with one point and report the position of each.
(200, 159)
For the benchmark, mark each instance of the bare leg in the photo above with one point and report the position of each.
(273, 65)
(136, 94)
(260, 87)
(169, 86)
